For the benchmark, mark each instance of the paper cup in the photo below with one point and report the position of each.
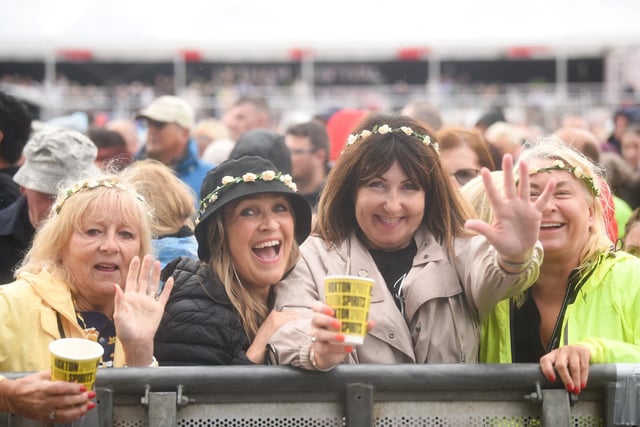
(75, 360)
(350, 296)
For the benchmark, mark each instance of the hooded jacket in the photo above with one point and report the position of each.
(445, 300)
(34, 308)
(604, 315)
(199, 326)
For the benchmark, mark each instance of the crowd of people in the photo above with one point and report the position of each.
(207, 242)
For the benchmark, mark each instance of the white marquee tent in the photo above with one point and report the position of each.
(338, 29)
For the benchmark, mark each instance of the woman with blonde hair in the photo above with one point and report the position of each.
(585, 305)
(89, 274)
(173, 205)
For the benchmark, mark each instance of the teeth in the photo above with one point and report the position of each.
(390, 220)
(550, 224)
(267, 244)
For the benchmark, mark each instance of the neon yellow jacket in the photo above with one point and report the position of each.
(605, 316)
(29, 322)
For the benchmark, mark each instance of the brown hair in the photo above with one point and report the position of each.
(451, 137)
(445, 211)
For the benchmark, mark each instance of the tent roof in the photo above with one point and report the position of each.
(332, 29)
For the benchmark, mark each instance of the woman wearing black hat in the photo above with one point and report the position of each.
(250, 224)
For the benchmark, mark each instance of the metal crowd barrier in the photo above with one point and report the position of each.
(357, 396)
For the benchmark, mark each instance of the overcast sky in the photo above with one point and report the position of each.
(153, 28)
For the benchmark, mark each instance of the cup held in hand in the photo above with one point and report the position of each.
(350, 297)
(75, 360)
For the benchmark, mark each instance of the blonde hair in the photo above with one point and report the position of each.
(172, 200)
(252, 310)
(475, 193)
(75, 207)
(553, 148)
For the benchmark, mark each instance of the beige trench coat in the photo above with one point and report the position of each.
(445, 300)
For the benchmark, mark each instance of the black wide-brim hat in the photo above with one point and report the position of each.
(214, 195)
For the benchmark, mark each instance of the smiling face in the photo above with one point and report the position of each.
(389, 209)
(260, 232)
(568, 216)
(98, 255)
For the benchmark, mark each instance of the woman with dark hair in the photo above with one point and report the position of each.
(390, 212)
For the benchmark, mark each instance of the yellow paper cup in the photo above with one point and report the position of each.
(75, 360)
(350, 296)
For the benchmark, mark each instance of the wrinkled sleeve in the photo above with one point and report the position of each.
(291, 343)
(486, 282)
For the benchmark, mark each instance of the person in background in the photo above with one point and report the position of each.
(616, 211)
(265, 143)
(89, 274)
(463, 153)
(631, 240)
(250, 224)
(308, 144)
(128, 130)
(207, 132)
(15, 128)
(245, 114)
(169, 120)
(53, 156)
(630, 147)
(112, 149)
(425, 112)
(622, 119)
(583, 307)
(172, 203)
(390, 212)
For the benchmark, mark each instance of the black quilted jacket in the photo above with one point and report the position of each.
(199, 326)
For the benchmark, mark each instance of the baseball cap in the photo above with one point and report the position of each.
(169, 109)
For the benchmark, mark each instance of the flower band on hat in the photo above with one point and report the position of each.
(386, 129)
(576, 171)
(89, 185)
(230, 181)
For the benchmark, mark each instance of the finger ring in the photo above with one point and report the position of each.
(52, 415)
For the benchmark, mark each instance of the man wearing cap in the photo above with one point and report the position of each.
(169, 121)
(54, 157)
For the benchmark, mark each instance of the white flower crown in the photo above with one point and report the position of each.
(88, 185)
(385, 129)
(576, 171)
(229, 181)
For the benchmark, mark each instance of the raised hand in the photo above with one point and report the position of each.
(139, 309)
(516, 219)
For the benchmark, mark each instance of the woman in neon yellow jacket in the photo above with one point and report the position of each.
(585, 306)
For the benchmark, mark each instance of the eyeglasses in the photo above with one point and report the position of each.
(465, 175)
(301, 151)
(155, 124)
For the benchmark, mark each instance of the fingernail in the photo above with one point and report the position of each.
(552, 378)
(348, 349)
(92, 394)
(91, 405)
(328, 311)
(340, 337)
(583, 386)
(577, 390)
(82, 388)
(336, 324)
(570, 387)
